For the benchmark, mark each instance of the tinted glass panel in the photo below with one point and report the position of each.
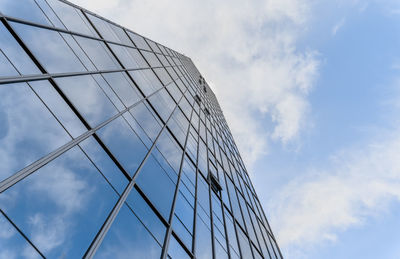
(62, 205)
(27, 130)
(53, 53)
(124, 144)
(128, 238)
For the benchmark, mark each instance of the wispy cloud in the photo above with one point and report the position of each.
(247, 52)
(338, 25)
(358, 183)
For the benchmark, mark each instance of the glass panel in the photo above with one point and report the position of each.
(61, 206)
(124, 144)
(155, 182)
(128, 238)
(184, 216)
(146, 216)
(123, 87)
(230, 229)
(129, 57)
(53, 53)
(12, 244)
(11, 49)
(244, 243)
(151, 58)
(138, 40)
(163, 75)
(171, 151)
(71, 18)
(163, 103)
(88, 98)
(27, 130)
(23, 9)
(104, 163)
(147, 120)
(203, 240)
(98, 53)
(146, 80)
(175, 250)
(58, 107)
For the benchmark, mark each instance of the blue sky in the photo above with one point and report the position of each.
(311, 92)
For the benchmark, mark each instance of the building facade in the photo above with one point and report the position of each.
(114, 146)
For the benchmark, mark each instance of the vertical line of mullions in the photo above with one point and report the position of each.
(172, 212)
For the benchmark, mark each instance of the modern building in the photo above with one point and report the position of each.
(114, 146)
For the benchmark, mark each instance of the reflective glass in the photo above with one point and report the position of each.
(151, 58)
(53, 53)
(147, 120)
(129, 57)
(98, 53)
(124, 144)
(61, 206)
(12, 51)
(175, 250)
(27, 130)
(24, 9)
(161, 191)
(244, 243)
(163, 75)
(230, 229)
(170, 149)
(163, 103)
(72, 18)
(128, 238)
(138, 40)
(104, 164)
(146, 80)
(123, 87)
(203, 240)
(86, 95)
(59, 107)
(146, 216)
(12, 244)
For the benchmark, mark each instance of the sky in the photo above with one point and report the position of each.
(311, 91)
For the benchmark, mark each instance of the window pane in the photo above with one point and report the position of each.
(128, 238)
(146, 215)
(163, 103)
(23, 9)
(98, 53)
(59, 108)
(138, 40)
(156, 184)
(203, 240)
(123, 87)
(12, 50)
(27, 130)
(53, 53)
(147, 120)
(12, 244)
(71, 17)
(175, 250)
(124, 144)
(104, 163)
(146, 80)
(88, 98)
(61, 206)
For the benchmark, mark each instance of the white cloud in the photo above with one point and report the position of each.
(337, 26)
(361, 182)
(247, 53)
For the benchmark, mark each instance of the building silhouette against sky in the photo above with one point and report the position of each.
(114, 146)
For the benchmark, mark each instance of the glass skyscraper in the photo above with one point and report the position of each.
(114, 146)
